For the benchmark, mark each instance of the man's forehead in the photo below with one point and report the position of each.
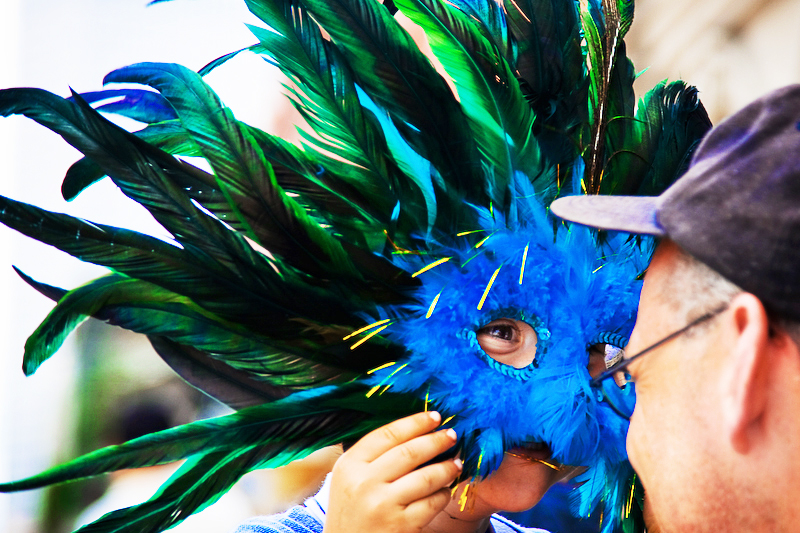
(663, 263)
(658, 288)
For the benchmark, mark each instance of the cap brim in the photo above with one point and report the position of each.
(633, 214)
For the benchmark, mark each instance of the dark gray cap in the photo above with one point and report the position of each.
(737, 208)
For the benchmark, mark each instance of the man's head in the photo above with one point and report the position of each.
(715, 432)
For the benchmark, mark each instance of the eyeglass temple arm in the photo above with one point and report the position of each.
(623, 363)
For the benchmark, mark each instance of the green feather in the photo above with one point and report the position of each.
(242, 173)
(388, 65)
(259, 307)
(658, 142)
(169, 136)
(198, 483)
(611, 93)
(235, 388)
(282, 429)
(501, 119)
(148, 309)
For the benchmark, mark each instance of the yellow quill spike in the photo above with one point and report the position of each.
(524, 259)
(433, 306)
(462, 500)
(427, 395)
(630, 501)
(482, 241)
(432, 265)
(368, 337)
(488, 287)
(365, 328)
(387, 365)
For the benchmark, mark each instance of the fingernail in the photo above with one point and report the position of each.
(458, 463)
(450, 432)
(435, 416)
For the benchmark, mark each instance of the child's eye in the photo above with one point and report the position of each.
(508, 341)
(506, 332)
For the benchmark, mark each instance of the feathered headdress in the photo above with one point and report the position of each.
(324, 290)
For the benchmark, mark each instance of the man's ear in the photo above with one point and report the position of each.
(745, 391)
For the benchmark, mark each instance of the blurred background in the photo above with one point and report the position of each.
(105, 381)
(732, 51)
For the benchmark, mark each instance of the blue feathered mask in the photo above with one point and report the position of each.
(325, 289)
(572, 292)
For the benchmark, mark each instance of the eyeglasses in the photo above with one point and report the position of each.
(615, 385)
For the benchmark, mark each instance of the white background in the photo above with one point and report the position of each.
(56, 45)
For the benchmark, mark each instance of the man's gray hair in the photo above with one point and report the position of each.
(694, 288)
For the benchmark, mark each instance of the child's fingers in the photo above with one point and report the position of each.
(406, 457)
(420, 513)
(425, 482)
(383, 439)
(377, 481)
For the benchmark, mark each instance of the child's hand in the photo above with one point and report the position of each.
(376, 487)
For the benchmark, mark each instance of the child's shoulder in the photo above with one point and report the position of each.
(295, 520)
(501, 524)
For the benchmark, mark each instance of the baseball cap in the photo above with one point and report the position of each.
(737, 207)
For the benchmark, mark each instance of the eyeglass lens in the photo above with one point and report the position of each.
(618, 393)
(621, 398)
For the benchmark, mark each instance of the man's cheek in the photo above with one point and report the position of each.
(649, 517)
(631, 443)
(637, 443)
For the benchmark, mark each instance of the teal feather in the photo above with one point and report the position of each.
(188, 274)
(326, 97)
(552, 74)
(549, 58)
(216, 63)
(143, 106)
(139, 170)
(221, 450)
(200, 483)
